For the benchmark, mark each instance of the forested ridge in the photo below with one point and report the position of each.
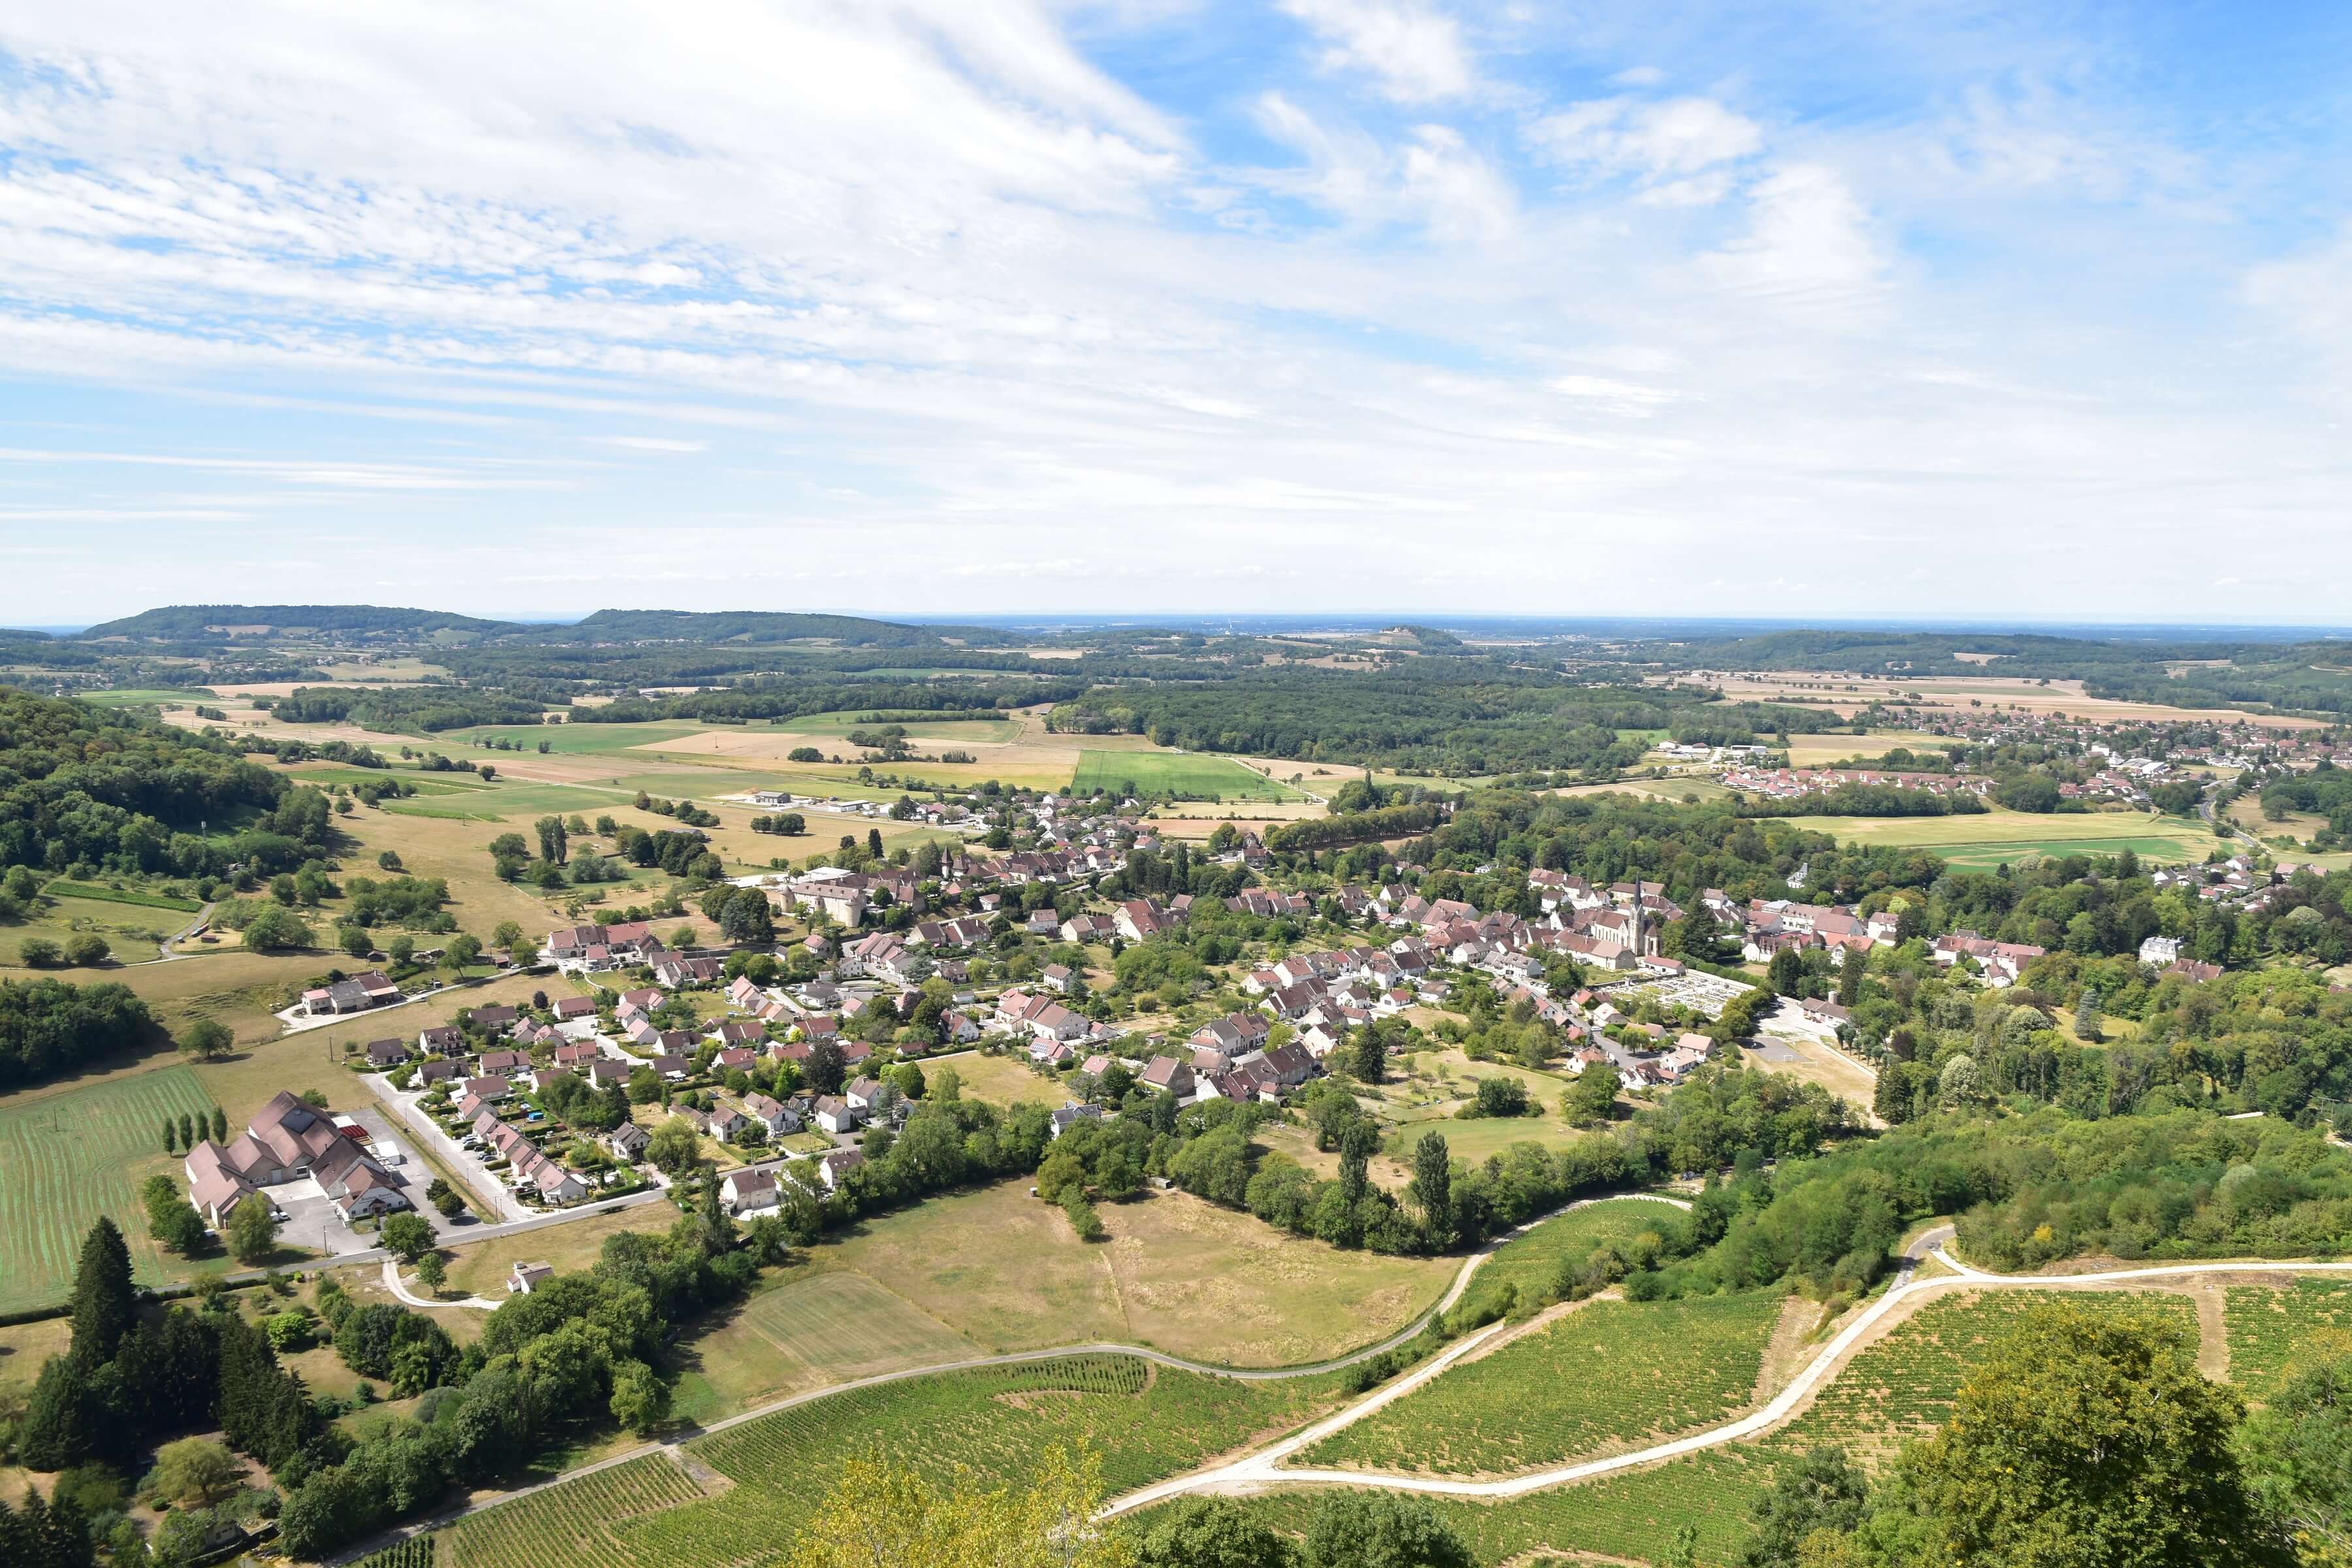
(80, 785)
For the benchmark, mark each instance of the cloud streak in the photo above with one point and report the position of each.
(1134, 302)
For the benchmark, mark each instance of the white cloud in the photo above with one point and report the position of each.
(1654, 139)
(908, 271)
(1415, 52)
(1808, 235)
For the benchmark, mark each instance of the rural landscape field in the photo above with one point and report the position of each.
(1349, 783)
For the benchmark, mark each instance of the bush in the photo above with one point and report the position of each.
(86, 950)
(40, 953)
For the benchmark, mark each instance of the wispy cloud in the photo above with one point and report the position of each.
(1414, 52)
(1624, 286)
(654, 444)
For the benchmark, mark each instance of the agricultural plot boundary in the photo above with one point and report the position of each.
(1267, 1467)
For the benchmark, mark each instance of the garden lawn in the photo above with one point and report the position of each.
(1604, 1377)
(66, 1159)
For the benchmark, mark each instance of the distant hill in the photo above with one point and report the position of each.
(738, 627)
(204, 623)
(217, 622)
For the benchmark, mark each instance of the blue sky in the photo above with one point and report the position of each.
(961, 308)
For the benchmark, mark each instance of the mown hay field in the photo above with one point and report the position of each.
(66, 1159)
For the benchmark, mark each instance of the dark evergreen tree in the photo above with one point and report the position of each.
(263, 1408)
(220, 1125)
(188, 1134)
(105, 1304)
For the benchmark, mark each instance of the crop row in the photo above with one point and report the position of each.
(416, 1552)
(2272, 1330)
(1602, 1377)
(1633, 1517)
(572, 1523)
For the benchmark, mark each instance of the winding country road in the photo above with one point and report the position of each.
(1016, 1358)
(1266, 1467)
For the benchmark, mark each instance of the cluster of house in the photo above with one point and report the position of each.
(2163, 953)
(288, 1141)
(755, 1187)
(531, 1167)
(1790, 784)
(596, 949)
(355, 994)
(2236, 883)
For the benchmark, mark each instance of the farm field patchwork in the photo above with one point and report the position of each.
(1191, 774)
(66, 1159)
(1606, 1376)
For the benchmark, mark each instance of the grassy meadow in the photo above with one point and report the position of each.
(1193, 774)
(1980, 841)
(66, 1159)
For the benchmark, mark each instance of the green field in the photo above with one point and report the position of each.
(1188, 773)
(1629, 1518)
(1898, 1388)
(1982, 841)
(943, 728)
(570, 1523)
(97, 892)
(846, 1325)
(66, 1159)
(417, 779)
(1531, 1263)
(141, 697)
(1904, 1386)
(2272, 1330)
(1145, 1422)
(1605, 1377)
(568, 740)
(1989, 857)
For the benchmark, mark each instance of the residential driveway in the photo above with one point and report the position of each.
(494, 1200)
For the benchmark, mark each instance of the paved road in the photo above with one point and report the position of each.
(195, 923)
(487, 1188)
(393, 1282)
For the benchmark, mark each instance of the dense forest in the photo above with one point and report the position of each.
(48, 1027)
(1429, 716)
(85, 785)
